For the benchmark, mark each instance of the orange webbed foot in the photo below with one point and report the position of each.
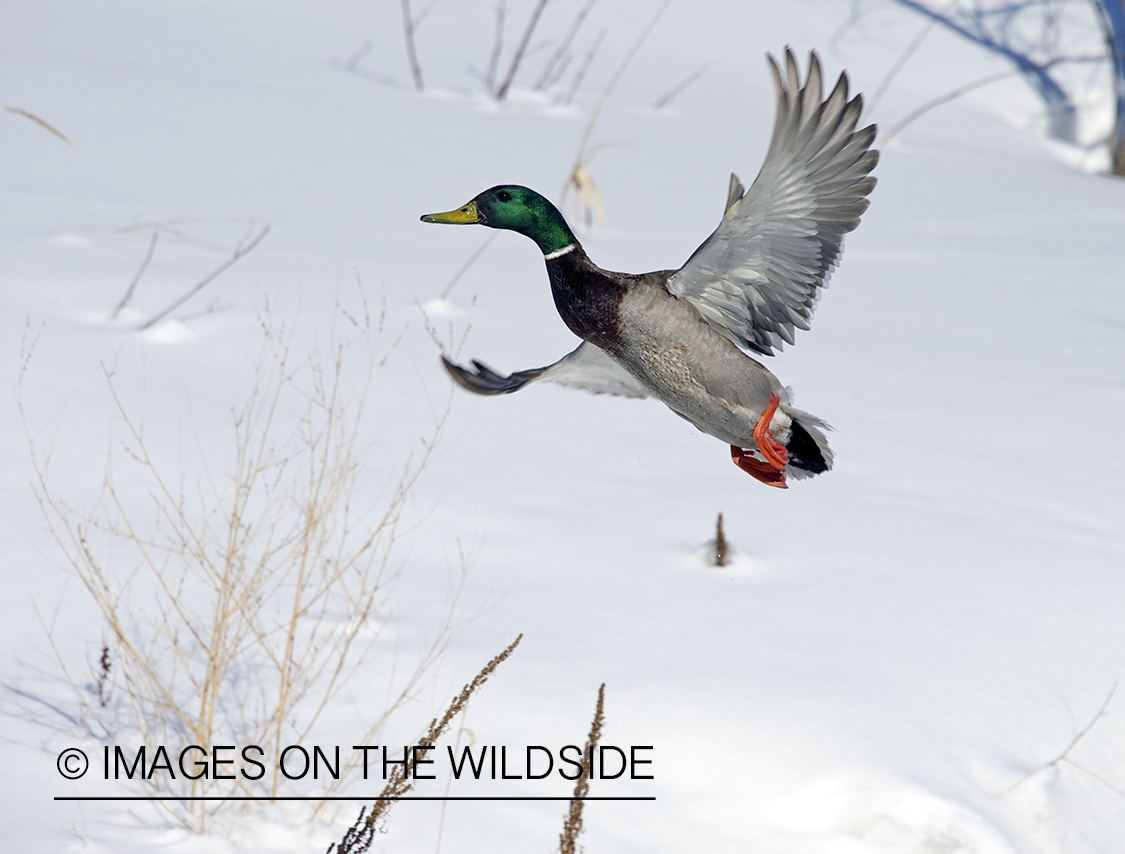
(764, 472)
(774, 452)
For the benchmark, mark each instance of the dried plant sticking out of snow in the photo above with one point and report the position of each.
(720, 543)
(360, 835)
(240, 603)
(572, 827)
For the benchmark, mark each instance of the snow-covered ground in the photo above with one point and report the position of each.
(895, 647)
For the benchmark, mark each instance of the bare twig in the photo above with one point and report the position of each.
(351, 66)
(572, 827)
(995, 28)
(679, 87)
(240, 252)
(140, 272)
(1064, 756)
(1117, 790)
(464, 267)
(583, 155)
(910, 50)
(45, 125)
(421, 16)
(353, 61)
(559, 71)
(408, 25)
(580, 74)
(497, 46)
(954, 94)
(560, 52)
(171, 228)
(617, 76)
(278, 571)
(517, 57)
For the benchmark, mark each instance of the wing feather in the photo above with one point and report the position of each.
(757, 277)
(586, 368)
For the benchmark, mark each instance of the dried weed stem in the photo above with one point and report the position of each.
(572, 827)
(360, 835)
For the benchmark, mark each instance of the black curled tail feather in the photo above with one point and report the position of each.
(808, 450)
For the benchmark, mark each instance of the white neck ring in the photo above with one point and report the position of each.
(559, 252)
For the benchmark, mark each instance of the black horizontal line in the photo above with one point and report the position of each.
(371, 798)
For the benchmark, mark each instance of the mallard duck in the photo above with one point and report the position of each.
(682, 336)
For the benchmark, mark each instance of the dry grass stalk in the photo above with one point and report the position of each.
(587, 196)
(16, 111)
(360, 835)
(572, 827)
(239, 605)
(579, 178)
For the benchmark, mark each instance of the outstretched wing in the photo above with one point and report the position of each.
(757, 277)
(587, 368)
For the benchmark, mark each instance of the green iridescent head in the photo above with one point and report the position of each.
(515, 208)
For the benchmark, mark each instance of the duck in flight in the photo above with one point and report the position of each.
(684, 336)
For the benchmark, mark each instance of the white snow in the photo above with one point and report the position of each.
(897, 651)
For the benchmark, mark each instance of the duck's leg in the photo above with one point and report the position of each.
(770, 448)
(764, 472)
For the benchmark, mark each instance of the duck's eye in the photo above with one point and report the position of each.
(504, 196)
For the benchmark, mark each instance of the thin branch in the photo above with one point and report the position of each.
(952, 95)
(358, 55)
(239, 253)
(497, 45)
(1115, 789)
(587, 61)
(169, 227)
(45, 125)
(408, 24)
(910, 50)
(564, 45)
(1064, 756)
(1060, 109)
(351, 66)
(969, 87)
(421, 16)
(613, 82)
(679, 87)
(464, 267)
(517, 57)
(140, 272)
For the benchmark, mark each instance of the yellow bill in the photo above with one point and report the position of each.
(462, 216)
